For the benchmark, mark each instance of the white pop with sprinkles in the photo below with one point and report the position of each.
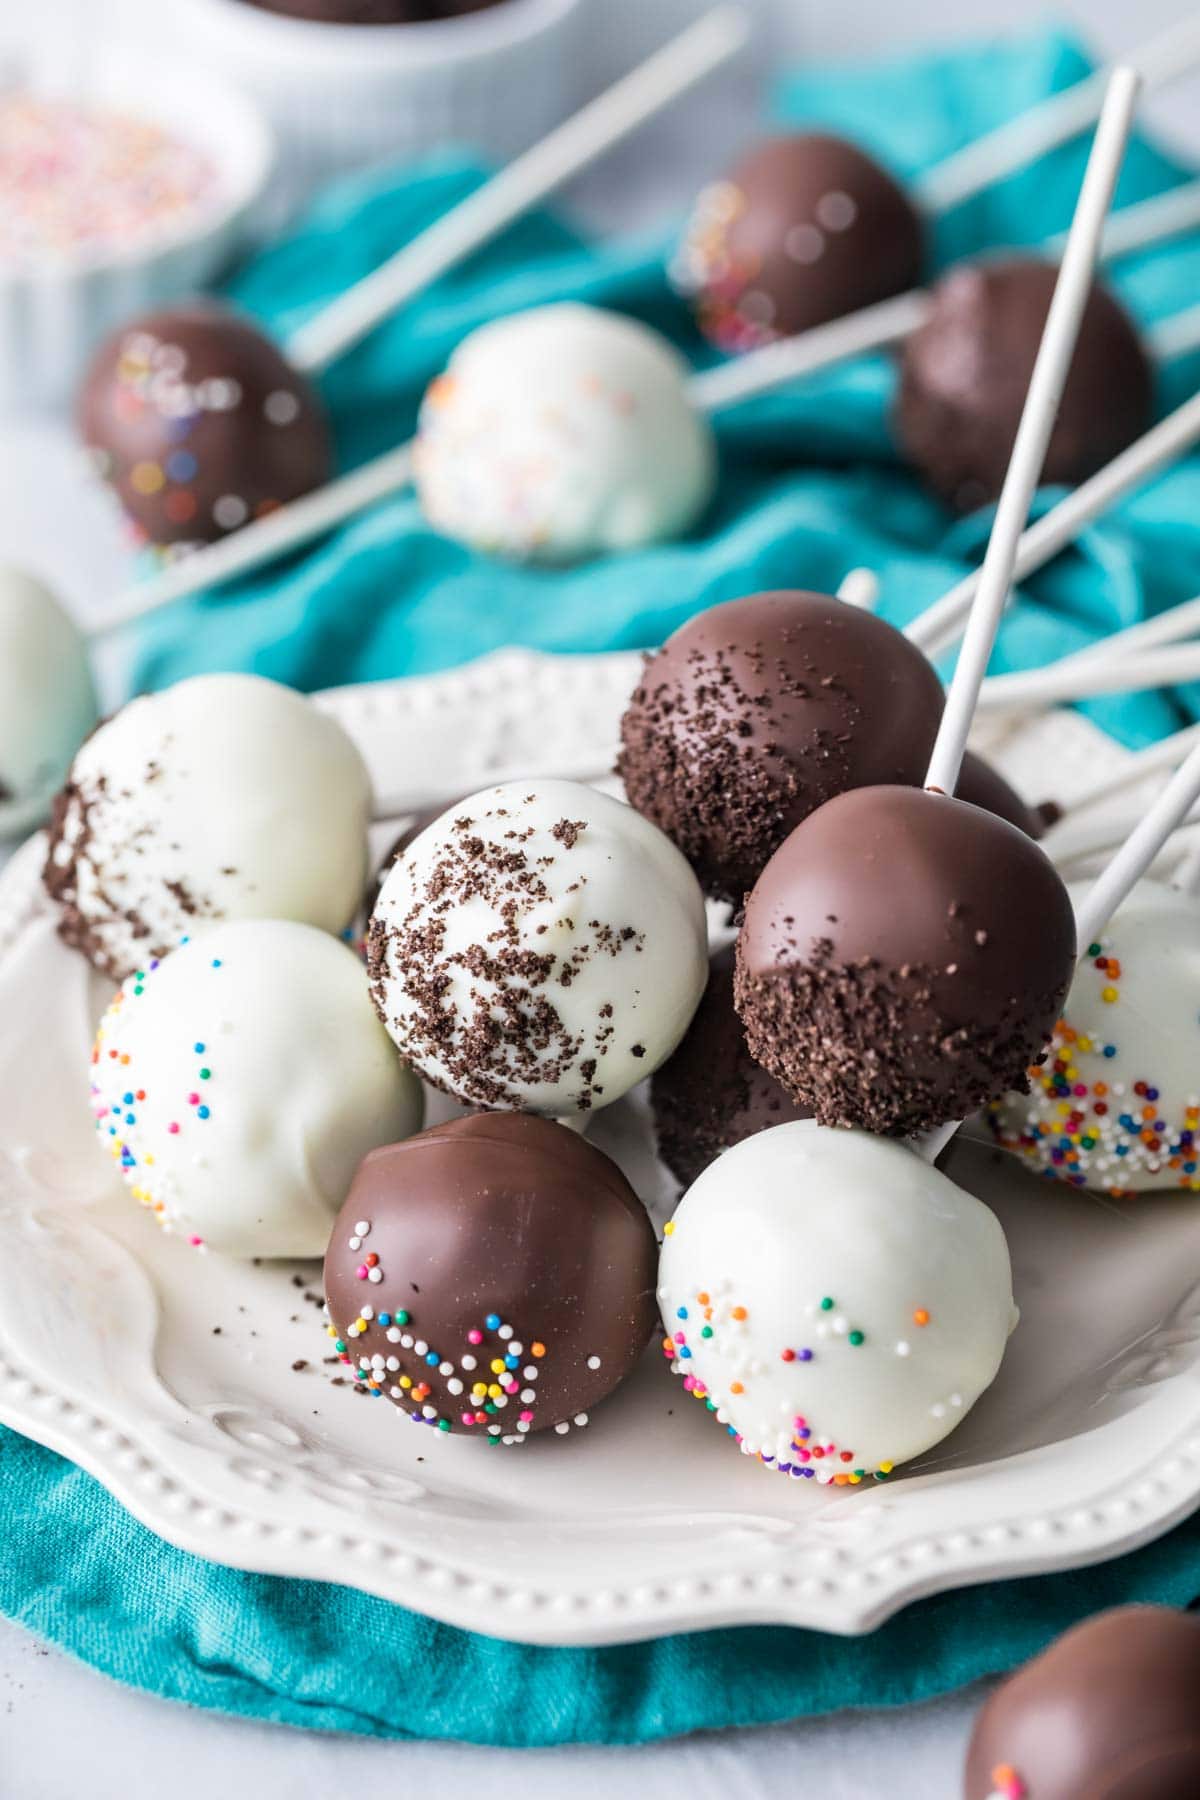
(837, 1303)
(1115, 1106)
(239, 1081)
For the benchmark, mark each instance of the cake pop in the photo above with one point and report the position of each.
(202, 424)
(903, 959)
(199, 423)
(803, 230)
(808, 228)
(758, 710)
(837, 1303)
(561, 433)
(494, 1276)
(239, 1081)
(1116, 1104)
(964, 372)
(47, 697)
(711, 1093)
(541, 947)
(224, 797)
(1111, 1711)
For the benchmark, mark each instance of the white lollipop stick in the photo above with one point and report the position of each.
(1161, 59)
(1167, 753)
(667, 75)
(1068, 681)
(1144, 223)
(761, 371)
(1037, 422)
(1080, 840)
(939, 626)
(1138, 851)
(1169, 627)
(1174, 337)
(279, 532)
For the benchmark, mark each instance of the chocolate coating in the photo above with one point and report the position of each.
(759, 710)
(965, 372)
(805, 229)
(711, 1094)
(982, 785)
(372, 12)
(497, 1216)
(903, 959)
(1110, 1712)
(200, 424)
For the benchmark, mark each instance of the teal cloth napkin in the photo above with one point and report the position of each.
(811, 483)
(811, 487)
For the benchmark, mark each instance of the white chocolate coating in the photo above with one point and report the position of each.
(256, 1156)
(1116, 1104)
(858, 1302)
(47, 698)
(563, 433)
(223, 797)
(540, 946)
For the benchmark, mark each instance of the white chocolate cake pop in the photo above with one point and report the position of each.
(562, 433)
(1116, 1104)
(240, 1080)
(224, 797)
(540, 947)
(837, 1303)
(47, 699)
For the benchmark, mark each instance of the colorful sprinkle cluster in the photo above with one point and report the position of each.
(480, 1380)
(82, 181)
(1007, 1784)
(709, 1316)
(1081, 1125)
(732, 311)
(119, 1092)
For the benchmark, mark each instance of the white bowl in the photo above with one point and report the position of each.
(342, 97)
(53, 316)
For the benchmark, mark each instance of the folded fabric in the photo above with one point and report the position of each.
(78, 1569)
(811, 487)
(811, 483)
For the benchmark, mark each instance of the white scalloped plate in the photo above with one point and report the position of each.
(195, 1390)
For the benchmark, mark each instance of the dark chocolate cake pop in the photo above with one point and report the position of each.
(494, 1275)
(200, 424)
(965, 372)
(805, 229)
(759, 710)
(372, 12)
(903, 959)
(983, 785)
(711, 1094)
(1109, 1712)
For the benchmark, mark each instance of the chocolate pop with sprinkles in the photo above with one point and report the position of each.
(759, 710)
(200, 425)
(1109, 1712)
(493, 1276)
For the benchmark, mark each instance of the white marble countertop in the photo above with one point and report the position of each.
(65, 1730)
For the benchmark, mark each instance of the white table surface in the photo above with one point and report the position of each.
(66, 1731)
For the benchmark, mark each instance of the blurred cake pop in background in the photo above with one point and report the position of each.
(965, 371)
(804, 229)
